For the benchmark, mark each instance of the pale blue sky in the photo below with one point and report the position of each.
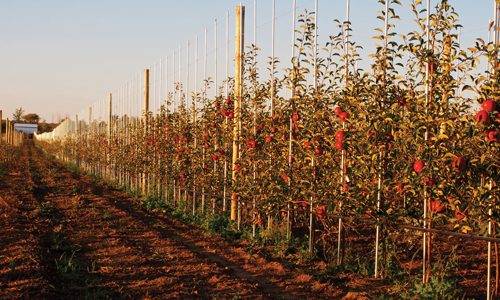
(59, 56)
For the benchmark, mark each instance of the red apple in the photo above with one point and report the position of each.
(436, 206)
(319, 150)
(231, 115)
(228, 100)
(429, 181)
(459, 164)
(460, 215)
(482, 117)
(307, 144)
(285, 177)
(338, 110)
(321, 211)
(343, 116)
(339, 135)
(418, 166)
(295, 117)
(338, 145)
(401, 187)
(488, 105)
(251, 143)
(269, 139)
(492, 135)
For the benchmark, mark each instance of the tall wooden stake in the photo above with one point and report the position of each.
(1, 128)
(238, 71)
(110, 128)
(7, 131)
(145, 121)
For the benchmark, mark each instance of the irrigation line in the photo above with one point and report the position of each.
(450, 233)
(428, 230)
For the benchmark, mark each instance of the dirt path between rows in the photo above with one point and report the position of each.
(64, 235)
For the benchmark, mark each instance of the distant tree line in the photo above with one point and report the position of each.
(19, 116)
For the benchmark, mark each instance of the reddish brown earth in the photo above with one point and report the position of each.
(64, 235)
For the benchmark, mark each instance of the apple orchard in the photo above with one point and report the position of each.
(323, 148)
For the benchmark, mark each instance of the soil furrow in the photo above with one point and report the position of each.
(94, 241)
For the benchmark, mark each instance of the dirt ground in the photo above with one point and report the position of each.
(64, 235)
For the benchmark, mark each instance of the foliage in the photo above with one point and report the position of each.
(380, 145)
(17, 116)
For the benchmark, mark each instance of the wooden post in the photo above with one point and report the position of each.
(78, 139)
(7, 131)
(238, 71)
(1, 127)
(89, 128)
(110, 129)
(145, 117)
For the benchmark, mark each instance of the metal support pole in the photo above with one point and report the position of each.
(273, 28)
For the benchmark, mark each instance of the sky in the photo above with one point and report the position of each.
(57, 57)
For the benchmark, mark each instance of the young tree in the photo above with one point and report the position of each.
(18, 115)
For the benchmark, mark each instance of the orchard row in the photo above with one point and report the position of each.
(412, 139)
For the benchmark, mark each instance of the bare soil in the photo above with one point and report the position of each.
(65, 235)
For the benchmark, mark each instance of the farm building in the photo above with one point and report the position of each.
(28, 129)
